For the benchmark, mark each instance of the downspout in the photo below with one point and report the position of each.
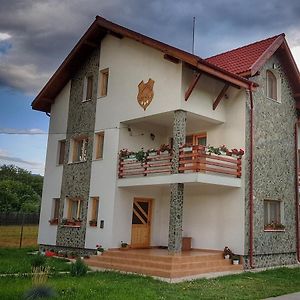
(251, 180)
(297, 190)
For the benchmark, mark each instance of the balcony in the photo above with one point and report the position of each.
(196, 164)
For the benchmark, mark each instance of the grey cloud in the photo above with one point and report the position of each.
(43, 32)
(19, 160)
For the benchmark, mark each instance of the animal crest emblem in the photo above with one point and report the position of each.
(145, 94)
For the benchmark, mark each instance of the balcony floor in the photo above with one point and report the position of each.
(194, 178)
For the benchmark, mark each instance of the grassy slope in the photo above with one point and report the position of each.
(18, 261)
(114, 286)
(10, 236)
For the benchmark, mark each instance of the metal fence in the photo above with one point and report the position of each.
(18, 218)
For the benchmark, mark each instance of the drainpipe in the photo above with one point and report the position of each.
(297, 191)
(251, 211)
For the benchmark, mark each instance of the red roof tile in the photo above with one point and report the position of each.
(241, 60)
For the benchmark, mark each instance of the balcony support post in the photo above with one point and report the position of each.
(177, 189)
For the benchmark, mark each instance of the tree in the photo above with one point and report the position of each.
(11, 172)
(19, 190)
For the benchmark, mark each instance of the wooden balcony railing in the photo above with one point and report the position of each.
(196, 159)
(152, 164)
(191, 159)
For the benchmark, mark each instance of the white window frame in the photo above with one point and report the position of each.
(278, 85)
(85, 86)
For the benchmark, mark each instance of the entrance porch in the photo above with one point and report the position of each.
(158, 262)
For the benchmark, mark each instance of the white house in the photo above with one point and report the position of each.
(134, 149)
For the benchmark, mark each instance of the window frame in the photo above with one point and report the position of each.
(70, 202)
(99, 145)
(61, 154)
(88, 88)
(103, 83)
(276, 77)
(277, 223)
(94, 212)
(77, 149)
(55, 211)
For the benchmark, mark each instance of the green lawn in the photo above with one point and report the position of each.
(114, 286)
(18, 261)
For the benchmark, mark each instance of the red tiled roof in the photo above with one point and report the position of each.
(241, 60)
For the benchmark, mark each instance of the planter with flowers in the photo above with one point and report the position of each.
(99, 249)
(93, 223)
(124, 246)
(274, 226)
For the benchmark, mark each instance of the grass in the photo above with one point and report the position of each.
(18, 261)
(10, 236)
(114, 286)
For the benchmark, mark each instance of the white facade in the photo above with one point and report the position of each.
(213, 204)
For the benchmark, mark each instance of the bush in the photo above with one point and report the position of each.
(38, 292)
(38, 260)
(79, 268)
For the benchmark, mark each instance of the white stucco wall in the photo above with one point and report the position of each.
(53, 172)
(129, 63)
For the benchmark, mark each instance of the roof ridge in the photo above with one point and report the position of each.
(241, 47)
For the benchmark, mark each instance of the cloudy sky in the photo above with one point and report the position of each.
(35, 36)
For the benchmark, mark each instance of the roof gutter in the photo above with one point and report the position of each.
(297, 191)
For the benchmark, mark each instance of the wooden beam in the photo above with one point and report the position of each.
(48, 100)
(297, 95)
(220, 96)
(91, 44)
(115, 34)
(192, 86)
(171, 58)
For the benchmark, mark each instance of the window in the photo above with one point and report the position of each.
(61, 151)
(88, 88)
(273, 85)
(94, 211)
(55, 211)
(99, 145)
(103, 82)
(272, 215)
(79, 152)
(74, 208)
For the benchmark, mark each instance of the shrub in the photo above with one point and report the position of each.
(38, 260)
(79, 268)
(38, 292)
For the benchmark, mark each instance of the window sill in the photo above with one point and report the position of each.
(100, 97)
(76, 162)
(274, 100)
(274, 230)
(72, 226)
(86, 100)
(98, 159)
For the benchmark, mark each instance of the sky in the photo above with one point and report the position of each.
(36, 36)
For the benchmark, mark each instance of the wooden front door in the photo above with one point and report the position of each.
(141, 222)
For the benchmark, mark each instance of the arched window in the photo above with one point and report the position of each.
(271, 86)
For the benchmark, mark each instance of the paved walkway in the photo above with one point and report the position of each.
(294, 296)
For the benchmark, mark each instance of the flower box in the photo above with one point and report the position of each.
(53, 221)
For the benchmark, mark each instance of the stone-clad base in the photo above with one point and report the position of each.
(77, 251)
(271, 260)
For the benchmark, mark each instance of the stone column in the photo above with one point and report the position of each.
(177, 189)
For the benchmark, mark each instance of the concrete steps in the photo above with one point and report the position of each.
(167, 266)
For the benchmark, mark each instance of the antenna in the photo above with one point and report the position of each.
(193, 43)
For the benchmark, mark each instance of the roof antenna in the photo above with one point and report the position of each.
(193, 43)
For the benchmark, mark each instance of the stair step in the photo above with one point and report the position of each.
(162, 265)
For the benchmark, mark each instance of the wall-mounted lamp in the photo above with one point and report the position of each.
(152, 136)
